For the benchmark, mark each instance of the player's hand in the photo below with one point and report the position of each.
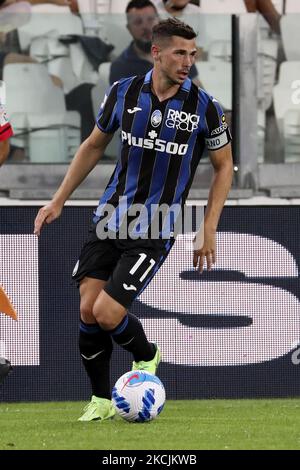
(46, 215)
(206, 251)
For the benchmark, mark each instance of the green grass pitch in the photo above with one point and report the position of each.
(195, 424)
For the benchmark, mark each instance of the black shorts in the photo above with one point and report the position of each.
(128, 265)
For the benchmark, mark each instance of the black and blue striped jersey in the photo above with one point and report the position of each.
(161, 143)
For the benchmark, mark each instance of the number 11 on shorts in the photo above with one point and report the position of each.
(139, 262)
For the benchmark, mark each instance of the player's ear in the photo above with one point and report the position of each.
(155, 51)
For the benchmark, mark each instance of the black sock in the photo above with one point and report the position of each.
(131, 336)
(94, 340)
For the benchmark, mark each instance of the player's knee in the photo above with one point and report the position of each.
(86, 311)
(105, 316)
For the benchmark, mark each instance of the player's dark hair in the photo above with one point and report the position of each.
(139, 4)
(172, 27)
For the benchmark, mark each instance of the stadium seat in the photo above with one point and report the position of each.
(88, 13)
(211, 28)
(31, 89)
(290, 32)
(282, 103)
(287, 112)
(278, 4)
(267, 65)
(68, 62)
(45, 48)
(13, 16)
(222, 7)
(57, 58)
(104, 6)
(264, 29)
(94, 6)
(97, 94)
(113, 31)
(91, 12)
(220, 51)
(117, 6)
(54, 137)
(38, 114)
(62, 68)
(289, 72)
(81, 66)
(48, 25)
(261, 131)
(217, 78)
(41, 36)
(104, 70)
(291, 133)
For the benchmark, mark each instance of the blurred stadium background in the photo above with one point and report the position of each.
(238, 327)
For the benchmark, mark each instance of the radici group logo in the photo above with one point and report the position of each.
(182, 121)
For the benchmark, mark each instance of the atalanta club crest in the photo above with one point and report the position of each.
(156, 118)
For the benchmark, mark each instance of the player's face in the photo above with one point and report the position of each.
(175, 58)
(141, 22)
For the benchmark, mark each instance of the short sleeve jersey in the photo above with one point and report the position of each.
(161, 142)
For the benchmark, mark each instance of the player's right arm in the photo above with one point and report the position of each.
(86, 158)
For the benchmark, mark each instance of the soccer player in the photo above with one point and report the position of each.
(165, 122)
(141, 17)
(5, 133)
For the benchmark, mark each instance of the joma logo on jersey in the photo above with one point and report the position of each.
(159, 145)
(182, 120)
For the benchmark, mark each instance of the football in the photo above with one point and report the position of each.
(138, 396)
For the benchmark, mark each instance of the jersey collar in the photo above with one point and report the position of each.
(182, 93)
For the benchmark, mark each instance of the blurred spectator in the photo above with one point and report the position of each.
(5, 133)
(12, 16)
(265, 7)
(188, 13)
(136, 59)
(14, 13)
(37, 2)
(176, 7)
(179, 8)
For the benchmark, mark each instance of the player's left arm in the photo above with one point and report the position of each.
(205, 240)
